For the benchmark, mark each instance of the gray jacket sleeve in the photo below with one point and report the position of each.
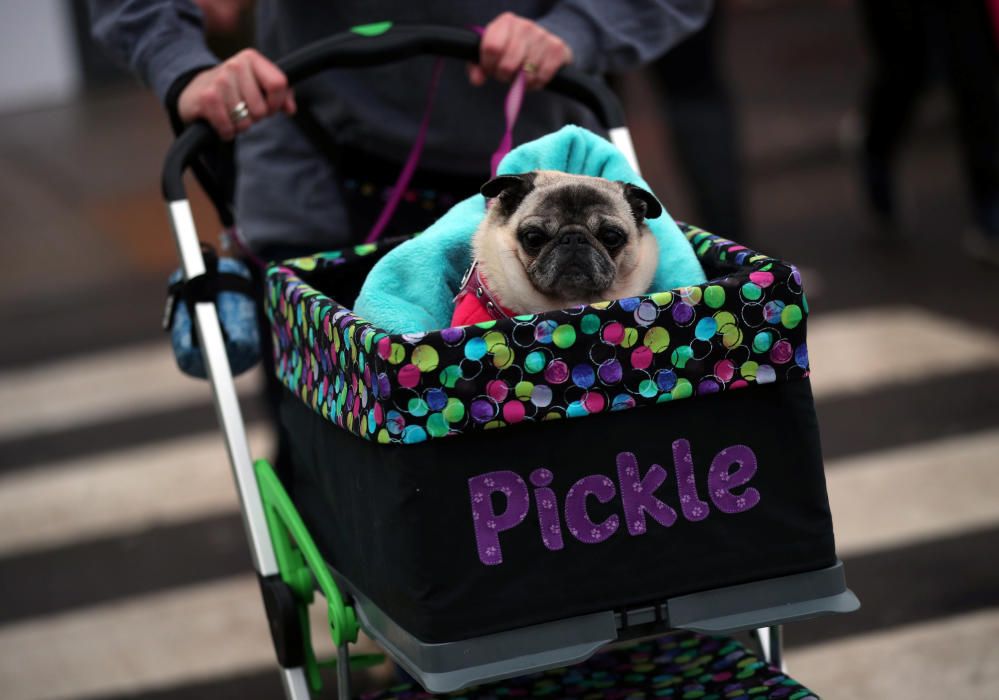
(609, 36)
(159, 40)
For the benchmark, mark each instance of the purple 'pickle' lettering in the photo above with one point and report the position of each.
(721, 481)
(576, 517)
(694, 509)
(488, 524)
(638, 494)
(547, 504)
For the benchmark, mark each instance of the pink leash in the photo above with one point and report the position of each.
(511, 110)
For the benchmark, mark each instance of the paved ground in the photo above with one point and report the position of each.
(122, 562)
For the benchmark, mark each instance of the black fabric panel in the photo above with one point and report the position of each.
(397, 520)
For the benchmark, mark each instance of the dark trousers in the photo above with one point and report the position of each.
(705, 129)
(909, 40)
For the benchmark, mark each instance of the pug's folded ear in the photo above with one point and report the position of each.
(509, 189)
(644, 205)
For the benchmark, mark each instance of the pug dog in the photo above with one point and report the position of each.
(552, 240)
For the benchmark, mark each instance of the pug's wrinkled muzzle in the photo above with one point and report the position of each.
(574, 266)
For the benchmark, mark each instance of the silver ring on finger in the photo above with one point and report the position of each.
(239, 112)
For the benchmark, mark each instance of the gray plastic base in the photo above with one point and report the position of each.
(765, 603)
(442, 668)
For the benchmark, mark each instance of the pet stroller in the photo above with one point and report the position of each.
(499, 499)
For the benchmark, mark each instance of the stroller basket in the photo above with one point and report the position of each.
(445, 486)
(744, 327)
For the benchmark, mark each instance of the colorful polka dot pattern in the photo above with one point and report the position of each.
(745, 326)
(680, 665)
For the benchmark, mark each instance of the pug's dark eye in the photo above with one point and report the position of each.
(612, 238)
(533, 239)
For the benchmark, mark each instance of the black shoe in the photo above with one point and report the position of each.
(981, 242)
(981, 246)
(879, 195)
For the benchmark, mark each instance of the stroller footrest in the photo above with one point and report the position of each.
(443, 668)
(451, 666)
(773, 601)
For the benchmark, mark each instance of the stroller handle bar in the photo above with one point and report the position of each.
(374, 45)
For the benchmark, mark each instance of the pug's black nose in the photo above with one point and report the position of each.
(573, 236)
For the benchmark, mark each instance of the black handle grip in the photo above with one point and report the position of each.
(354, 50)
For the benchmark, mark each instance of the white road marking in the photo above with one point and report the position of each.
(184, 635)
(100, 387)
(918, 492)
(854, 352)
(124, 491)
(957, 657)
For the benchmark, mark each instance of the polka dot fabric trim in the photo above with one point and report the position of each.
(745, 326)
(679, 665)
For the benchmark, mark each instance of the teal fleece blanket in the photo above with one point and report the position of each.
(412, 288)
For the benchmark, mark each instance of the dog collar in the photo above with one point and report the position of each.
(474, 302)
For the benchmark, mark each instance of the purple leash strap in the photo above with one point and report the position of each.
(233, 235)
(511, 111)
(411, 162)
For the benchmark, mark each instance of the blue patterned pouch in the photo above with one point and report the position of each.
(227, 282)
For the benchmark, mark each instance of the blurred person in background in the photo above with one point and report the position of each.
(908, 39)
(704, 127)
(319, 183)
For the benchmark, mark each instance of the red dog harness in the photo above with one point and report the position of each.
(474, 303)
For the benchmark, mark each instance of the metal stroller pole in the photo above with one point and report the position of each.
(295, 685)
(621, 137)
(230, 418)
(771, 641)
(225, 398)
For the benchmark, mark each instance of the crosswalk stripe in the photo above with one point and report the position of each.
(892, 498)
(100, 387)
(185, 634)
(911, 583)
(851, 352)
(956, 657)
(169, 555)
(124, 491)
(77, 443)
(894, 416)
(862, 350)
(206, 630)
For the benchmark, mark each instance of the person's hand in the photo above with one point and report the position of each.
(511, 43)
(237, 93)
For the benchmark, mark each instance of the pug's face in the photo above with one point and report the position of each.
(575, 239)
